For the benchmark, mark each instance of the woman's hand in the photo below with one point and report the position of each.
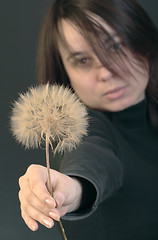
(37, 205)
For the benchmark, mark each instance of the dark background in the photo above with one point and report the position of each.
(20, 22)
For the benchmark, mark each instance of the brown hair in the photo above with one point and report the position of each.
(126, 17)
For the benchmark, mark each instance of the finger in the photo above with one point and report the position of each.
(36, 181)
(34, 202)
(61, 211)
(31, 216)
(31, 223)
(55, 214)
(40, 217)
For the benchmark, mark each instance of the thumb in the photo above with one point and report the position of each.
(62, 205)
(61, 193)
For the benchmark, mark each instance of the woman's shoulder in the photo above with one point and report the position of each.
(99, 120)
(99, 116)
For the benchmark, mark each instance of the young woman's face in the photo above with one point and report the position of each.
(96, 86)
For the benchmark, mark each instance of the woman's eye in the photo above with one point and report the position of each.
(115, 47)
(82, 62)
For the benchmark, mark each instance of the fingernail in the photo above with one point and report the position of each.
(50, 202)
(54, 216)
(47, 223)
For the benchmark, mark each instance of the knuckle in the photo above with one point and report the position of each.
(37, 216)
(31, 168)
(19, 195)
(21, 181)
(45, 211)
(23, 214)
(22, 201)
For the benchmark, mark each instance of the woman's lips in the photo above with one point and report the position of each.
(115, 93)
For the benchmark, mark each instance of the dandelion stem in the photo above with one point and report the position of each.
(48, 164)
(49, 181)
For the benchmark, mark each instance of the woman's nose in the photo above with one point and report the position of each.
(104, 74)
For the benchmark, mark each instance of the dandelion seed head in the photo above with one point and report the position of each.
(49, 109)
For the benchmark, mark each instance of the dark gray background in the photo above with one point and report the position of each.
(19, 28)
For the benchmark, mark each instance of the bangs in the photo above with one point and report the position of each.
(107, 45)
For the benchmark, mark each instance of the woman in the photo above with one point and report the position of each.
(107, 51)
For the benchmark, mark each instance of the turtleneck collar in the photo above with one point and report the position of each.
(133, 117)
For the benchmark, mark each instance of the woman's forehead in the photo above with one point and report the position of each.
(73, 36)
(94, 19)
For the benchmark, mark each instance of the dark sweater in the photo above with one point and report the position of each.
(119, 160)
